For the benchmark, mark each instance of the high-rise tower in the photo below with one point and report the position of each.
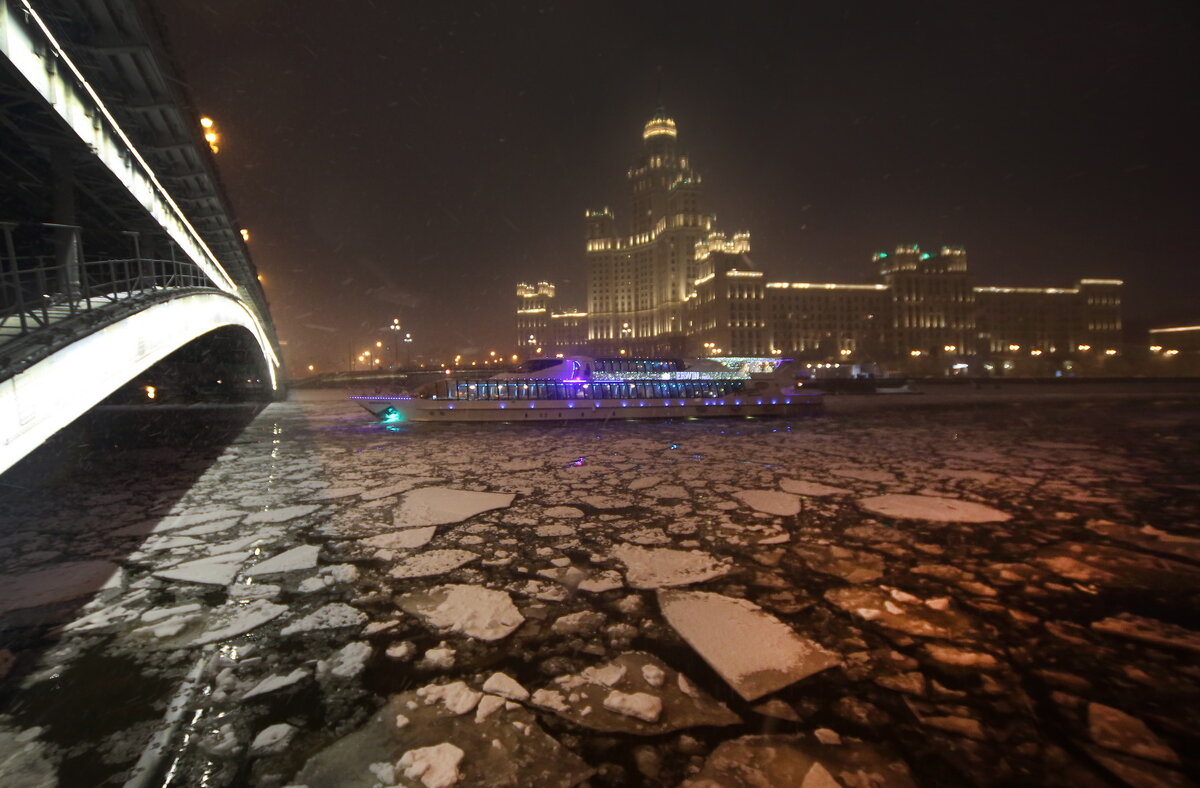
(638, 283)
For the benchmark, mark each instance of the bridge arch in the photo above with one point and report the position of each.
(50, 394)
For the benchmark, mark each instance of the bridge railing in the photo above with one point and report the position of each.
(38, 291)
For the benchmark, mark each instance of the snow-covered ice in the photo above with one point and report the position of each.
(433, 562)
(466, 609)
(660, 567)
(442, 505)
(929, 507)
(752, 650)
(302, 557)
(783, 504)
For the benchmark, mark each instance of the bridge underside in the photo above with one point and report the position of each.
(117, 244)
(55, 391)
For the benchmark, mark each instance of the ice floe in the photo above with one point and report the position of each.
(302, 557)
(442, 505)
(617, 697)
(1149, 630)
(505, 749)
(761, 761)
(404, 539)
(274, 683)
(900, 611)
(433, 562)
(658, 568)
(782, 504)
(332, 616)
(928, 507)
(273, 739)
(813, 489)
(228, 621)
(475, 611)
(281, 515)
(1113, 729)
(721, 629)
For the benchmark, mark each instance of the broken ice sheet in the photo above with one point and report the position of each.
(469, 610)
(1150, 538)
(332, 616)
(273, 683)
(752, 650)
(929, 507)
(854, 566)
(434, 562)
(656, 568)
(1117, 568)
(405, 539)
(281, 515)
(634, 693)
(1149, 630)
(231, 620)
(507, 748)
(758, 761)
(302, 557)
(217, 570)
(770, 502)
(813, 489)
(395, 488)
(442, 505)
(900, 611)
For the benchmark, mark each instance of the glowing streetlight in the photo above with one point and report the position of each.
(245, 235)
(312, 367)
(210, 134)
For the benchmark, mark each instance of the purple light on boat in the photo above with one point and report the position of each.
(570, 404)
(503, 405)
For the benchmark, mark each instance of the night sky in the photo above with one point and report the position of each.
(416, 160)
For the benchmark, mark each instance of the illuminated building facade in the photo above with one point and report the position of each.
(541, 327)
(638, 283)
(534, 306)
(673, 286)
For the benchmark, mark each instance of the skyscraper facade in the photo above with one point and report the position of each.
(639, 280)
(671, 285)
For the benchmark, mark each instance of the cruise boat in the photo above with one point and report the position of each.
(577, 388)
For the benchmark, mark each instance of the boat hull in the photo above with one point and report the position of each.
(403, 409)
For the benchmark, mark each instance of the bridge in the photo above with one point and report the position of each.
(119, 250)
